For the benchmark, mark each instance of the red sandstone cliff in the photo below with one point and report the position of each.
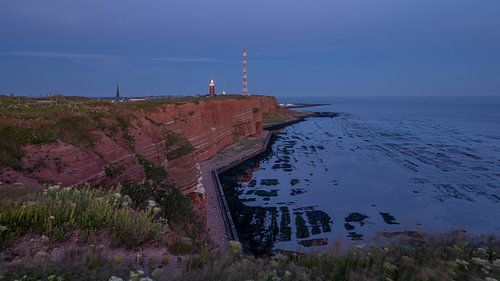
(209, 125)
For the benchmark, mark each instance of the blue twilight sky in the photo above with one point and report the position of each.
(295, 47)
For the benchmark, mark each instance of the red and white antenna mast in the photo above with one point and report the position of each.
(245, 89)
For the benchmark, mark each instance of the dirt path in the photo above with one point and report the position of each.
(242, 149)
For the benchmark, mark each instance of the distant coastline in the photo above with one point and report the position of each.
(301, 105)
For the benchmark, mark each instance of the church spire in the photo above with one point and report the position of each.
(117, 91)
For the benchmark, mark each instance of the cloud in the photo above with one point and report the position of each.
(61, 55)
(184, 59)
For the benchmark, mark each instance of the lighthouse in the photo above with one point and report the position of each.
(211, 86)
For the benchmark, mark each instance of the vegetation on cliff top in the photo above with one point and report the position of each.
(57, 212)
(73, 120)
(133, 212)
(277, 116)
(177, 145)
(452, 258)
(26, 121)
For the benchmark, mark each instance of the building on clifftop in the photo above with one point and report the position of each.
(211, 87)
(117, 92)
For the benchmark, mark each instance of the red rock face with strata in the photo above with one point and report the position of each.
(209, 125)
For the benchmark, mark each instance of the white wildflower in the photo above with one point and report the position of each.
(44, 239)
(235, 246)
(481, 261)
(54, 187)
(134, 275)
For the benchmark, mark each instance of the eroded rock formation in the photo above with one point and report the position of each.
(209, 125)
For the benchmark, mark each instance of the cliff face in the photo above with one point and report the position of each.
(209, 125)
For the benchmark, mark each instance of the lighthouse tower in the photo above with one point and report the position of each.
(211, 86)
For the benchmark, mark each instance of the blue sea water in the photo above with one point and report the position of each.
(384, 166)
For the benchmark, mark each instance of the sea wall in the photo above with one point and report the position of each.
(208, 124)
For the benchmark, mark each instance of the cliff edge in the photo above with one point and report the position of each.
(72, 141)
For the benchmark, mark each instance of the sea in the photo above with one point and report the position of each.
(385, 168)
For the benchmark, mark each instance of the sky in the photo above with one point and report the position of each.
(295, 47)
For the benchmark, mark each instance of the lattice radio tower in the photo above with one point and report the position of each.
(245, 89)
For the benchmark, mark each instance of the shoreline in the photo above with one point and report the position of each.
(302, 105)
(220, 226)
(298, 116)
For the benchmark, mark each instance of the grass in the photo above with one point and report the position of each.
(235, 136)
(450, 258)
(89, 265)
(177, 146)
(152, 104)
(447, 259)
(112, 171)
(153, 172)
(56, 212)
(280, 115)
(133, 215)
(69, 119)
(172, 205)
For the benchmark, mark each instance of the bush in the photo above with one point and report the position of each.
(139, 193)
(131, 229)
(153, 172)
(177, 145)
(57, 212)
(178, 209)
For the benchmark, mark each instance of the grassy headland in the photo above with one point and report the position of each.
(278, 116)
(73, 120)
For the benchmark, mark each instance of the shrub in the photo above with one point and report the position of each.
(131, 229)
(58, 211)
(112, 171)
(177, 207)
(139, 193)
(153, 172)
(177, 146)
